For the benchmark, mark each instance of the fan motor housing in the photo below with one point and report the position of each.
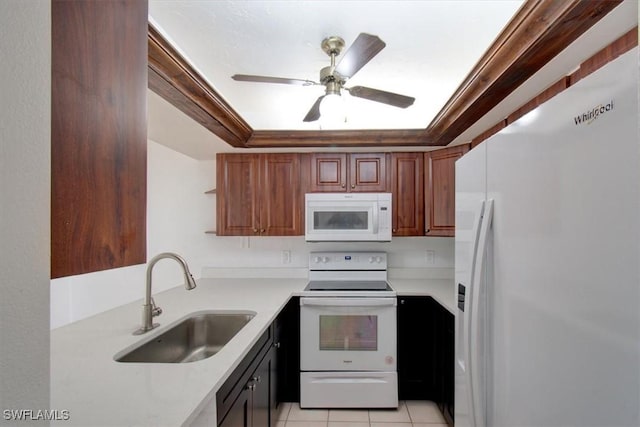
(329, 74)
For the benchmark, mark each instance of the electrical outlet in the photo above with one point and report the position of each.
(286, 257)
(430, 257)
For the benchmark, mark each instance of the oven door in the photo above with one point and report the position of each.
(347, 334)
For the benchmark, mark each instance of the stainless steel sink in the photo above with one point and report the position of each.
(197, 337)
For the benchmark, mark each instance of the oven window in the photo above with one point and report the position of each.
(340, 220)
(349, 332)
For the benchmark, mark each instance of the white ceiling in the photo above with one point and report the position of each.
(431, 47)
(221, 38)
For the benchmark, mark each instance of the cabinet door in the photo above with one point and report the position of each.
(448, 368)
(407, 188)
(367, 172)
(261, 391)
(281, 202)
(239, 413)
(416, 348)
(98, 135)
(237, 192)
(444, 323)
(440, 175)
(287, 343)
(328, 172)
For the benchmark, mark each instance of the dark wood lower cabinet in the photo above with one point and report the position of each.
(416, 345)
(244, 397)
(261, 392)
(445, 356)
(287, 343)
(253, 405)
(268, 375)
(426, 353)
(238, 414)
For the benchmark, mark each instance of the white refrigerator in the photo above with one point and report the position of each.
(547, 258)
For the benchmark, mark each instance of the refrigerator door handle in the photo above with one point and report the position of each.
(466, 324)
(476, 332)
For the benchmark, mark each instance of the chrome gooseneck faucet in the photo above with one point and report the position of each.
(149, 308)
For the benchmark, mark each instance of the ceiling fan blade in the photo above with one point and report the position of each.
(377, 95)
(266, 79)
(314, 112)
(359, 53)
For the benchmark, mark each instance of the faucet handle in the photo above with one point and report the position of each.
(155, 310)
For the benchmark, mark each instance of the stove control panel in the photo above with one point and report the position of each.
(347, 260)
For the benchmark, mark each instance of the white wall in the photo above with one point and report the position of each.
(25, 134)
(227, 255)
(178, 213)
(176, 218)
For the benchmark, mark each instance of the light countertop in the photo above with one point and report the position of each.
(98, 391)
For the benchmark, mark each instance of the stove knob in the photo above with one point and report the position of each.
(316, 259)
(378, 259)
(325, 259)
(371, 259)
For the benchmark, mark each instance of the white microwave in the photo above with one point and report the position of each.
(348, 217)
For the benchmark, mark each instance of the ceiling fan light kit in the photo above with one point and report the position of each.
(332, 111)
(333, 77)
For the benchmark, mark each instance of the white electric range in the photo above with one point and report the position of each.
(348, 333)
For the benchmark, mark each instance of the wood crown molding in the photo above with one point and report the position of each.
(338, 138)
(610, 52)
(171, 77)
(539, 31)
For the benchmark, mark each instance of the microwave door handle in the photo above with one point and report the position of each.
(375, 219)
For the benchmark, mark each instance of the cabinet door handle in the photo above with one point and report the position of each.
(251, 386)
(394, 230)
(257, 379)
(343, 185)
(255, 230)
(353, 186)
(263, 231)
(276, 344)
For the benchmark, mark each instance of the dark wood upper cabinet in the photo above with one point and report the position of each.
(367, 172)
(259, 195)
(328, 172)
(407, 188)
(348, 172)
(237, 194)
(98, 135)
(440, 176)
(282, 207)
(263, 194)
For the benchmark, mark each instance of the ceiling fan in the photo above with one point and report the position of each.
(334, 77)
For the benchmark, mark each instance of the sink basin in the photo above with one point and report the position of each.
(196, 337)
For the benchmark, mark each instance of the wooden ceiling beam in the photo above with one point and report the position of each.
(539, 31)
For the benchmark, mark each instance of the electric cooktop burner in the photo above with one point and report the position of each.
(348, 285)
(348, 274)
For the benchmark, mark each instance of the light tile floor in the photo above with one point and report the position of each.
(411, 413)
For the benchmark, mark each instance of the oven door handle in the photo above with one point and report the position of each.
(349, 302)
